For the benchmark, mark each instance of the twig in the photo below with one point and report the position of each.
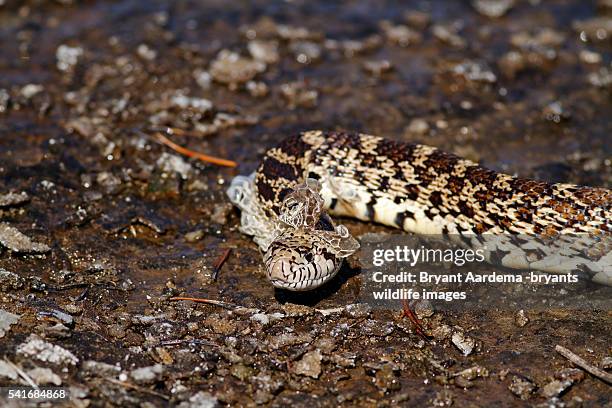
(198, 342)
(580, 362)
(418, 327)
(192, 154)
(225, 305)
(23, 375)
(219, 263)
(137, 388)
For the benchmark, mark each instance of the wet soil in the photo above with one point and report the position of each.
(106, 224)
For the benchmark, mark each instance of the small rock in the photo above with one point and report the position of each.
(10, 281)
(6, 321)
(45, 351)
(522, 387)
(309, 365)
(448, 35)
(344, 359)
(401, 35)
(475, 71)
(147, 375)
(257, 89)
(306, 52)
(232, 69)
(202, 78)
(172, 163)
(220, 213)
(117, 331)
(100, 369)
(13, 239)
(418, 126)
(423, 309)
(67, 57)
(521, 318)
(594, 29)
(194, 236)
(441, 332)
(555, 388)
(5, 98)
(571, 374)
(43, 376)
(108, 180)
(492, 8)
(265, 51)
(463, 343)
(555, 112)
(357, 310)
(602, 78)
(10, 199)
(386, 380)
(200, 400)
(377, 68)
(417, 19)
(241, 371)
(8, 371)
(606, 363)
(29, 90)
(146, 52)
(297, 95)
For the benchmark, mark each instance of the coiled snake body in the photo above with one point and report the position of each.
(412, 187)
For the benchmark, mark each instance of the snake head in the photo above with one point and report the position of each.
(298, 260)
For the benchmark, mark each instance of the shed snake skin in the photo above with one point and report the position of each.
(415, 188)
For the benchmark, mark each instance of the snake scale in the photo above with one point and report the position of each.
(286, 205)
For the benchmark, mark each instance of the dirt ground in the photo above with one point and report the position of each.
(101, 224)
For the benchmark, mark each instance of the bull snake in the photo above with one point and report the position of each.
(412, 187)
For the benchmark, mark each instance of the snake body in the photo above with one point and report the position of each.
(412, 187)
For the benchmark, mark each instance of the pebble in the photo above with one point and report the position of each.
(67, 57)
(555, 388)
(521, 387)
(147, 375)
(401, 35)
(555, 112)
(257, 89)
(521, 318)
(265, 51)
(43, 376)
(7, 319)
(297, 95)
(602, 78)
(220, 213)
(594, 29)
(182, 101)
(492, 8)
(309, 365)
(13, 239)
(475, 71)
(10, 281)
(241, 371)
(417, 19)
(464, 343)
(10, 199)
(377, 68)
(8, 371)
(174, 164)
(44, 351)
(418, 126)
(194, 236)
(448, 35)
(5, 98)
(306, 52)
(231, 69)
(29, 90)
(146, 52)
(357, 310)
(202, 78)
(386, 379)
(200, 399)
(100, 369)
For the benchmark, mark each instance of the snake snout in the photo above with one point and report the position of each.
(296, 267)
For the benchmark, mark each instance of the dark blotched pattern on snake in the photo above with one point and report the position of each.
(413, 187)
